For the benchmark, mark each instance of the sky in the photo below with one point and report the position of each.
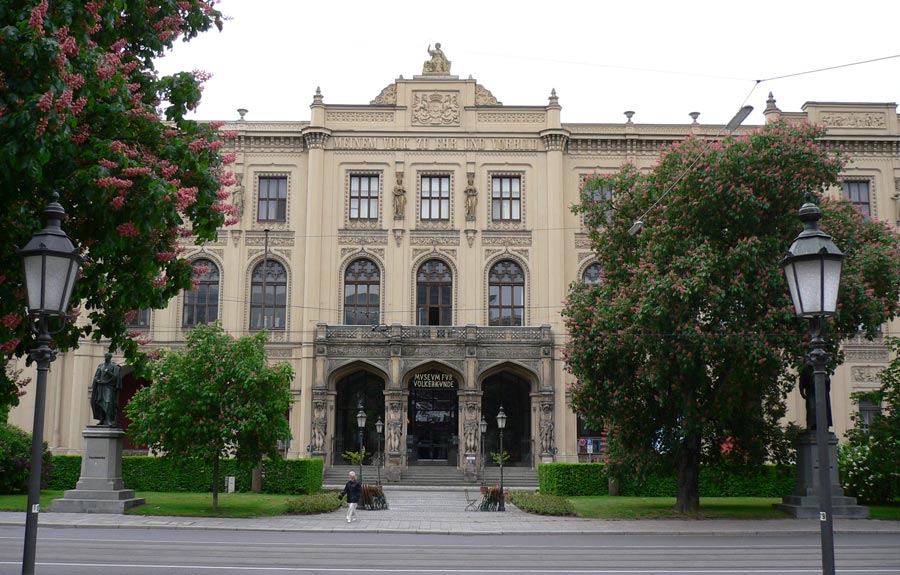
(660, 59)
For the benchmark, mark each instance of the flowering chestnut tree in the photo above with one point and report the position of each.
(216, 398)
(84, 113)
(686, 349)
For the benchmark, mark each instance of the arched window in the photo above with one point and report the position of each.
(201, 304)
(362, 293)
(593, 274)
(434, 294)
(506, 295)
(268, 311)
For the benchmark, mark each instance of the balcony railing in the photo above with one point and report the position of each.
(418, 333)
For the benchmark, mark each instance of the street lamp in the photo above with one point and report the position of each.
(361, 423)
(483, 427)
(379, 427)
(51, 265)
(501, 424)
(812, 268)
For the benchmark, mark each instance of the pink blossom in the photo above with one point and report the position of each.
(136, 171)
(118, 202)
(186, 197)
(46, 101)
(160, 282)
(11, 320)
(216, 124)
(128, 230)
(229, 158)
(164, 256)
(38, 13)
(108, 164)
(10, 346)
(232, 221)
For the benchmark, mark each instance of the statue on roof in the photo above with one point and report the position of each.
(439, 64)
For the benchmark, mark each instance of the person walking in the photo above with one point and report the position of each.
(353, 491)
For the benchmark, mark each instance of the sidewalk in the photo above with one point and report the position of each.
(443, 512)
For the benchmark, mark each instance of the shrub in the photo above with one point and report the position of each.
(569, 479)
(313, 503)
(864, 475)
(15, 460)
(293, 476)
(66, 472)
(541, 503)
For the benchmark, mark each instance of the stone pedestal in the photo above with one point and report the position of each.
(100, 488)
(804, 503)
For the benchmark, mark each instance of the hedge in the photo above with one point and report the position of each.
(15, 460)
(569, 479)
(294, 476)
(576, 479)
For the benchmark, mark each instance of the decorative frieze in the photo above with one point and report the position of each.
(432, 239)
(866, 354)
(866, 374)
(506, 240)
(510, 117)
(360, 117)
(853, 119)
(363, 238)
(281, 239)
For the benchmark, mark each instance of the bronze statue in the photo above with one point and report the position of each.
(808, 392)
(105, 392)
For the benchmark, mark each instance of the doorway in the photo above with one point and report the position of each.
(432, 434)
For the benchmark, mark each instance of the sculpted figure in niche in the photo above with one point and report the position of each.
(546, 429)
(471, 198)
(105, 392)
(438, 63)
(399, 198)
(471, 428)
(393, 440)
(318, 442)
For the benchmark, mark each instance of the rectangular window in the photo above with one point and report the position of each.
(141, 318)
(867, 413)
(857, 192)
(364, 197)
(272, 205)
(435, 198)
(506, 198)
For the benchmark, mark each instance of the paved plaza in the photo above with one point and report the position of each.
(444, 512)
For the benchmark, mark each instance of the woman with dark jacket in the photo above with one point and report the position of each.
(353, 491)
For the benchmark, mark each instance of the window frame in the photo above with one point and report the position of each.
(443, 306)
(864, 207)
(513, 200)
(371, 201)
(372, 318)
(259, 309)
(514, 291)
(271, 206)
(442, 200)
(192, 298)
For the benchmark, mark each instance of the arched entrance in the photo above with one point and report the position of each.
(358, 389)
(432, 431)
(513, 393)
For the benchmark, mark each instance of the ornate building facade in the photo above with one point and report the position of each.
(409, 258)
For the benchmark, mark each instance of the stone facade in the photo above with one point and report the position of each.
(434, 153)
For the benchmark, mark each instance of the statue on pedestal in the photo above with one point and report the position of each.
(105, 392)
(438, 63)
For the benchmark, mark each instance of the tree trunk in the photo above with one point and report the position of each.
(687, 499)
(215, 485)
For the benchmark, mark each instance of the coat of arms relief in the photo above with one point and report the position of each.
(436, 108)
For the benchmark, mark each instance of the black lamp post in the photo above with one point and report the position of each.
(501, 424)
(379, 427)
(483, 427)
(51, 264)
(361, 423)
(812, 268)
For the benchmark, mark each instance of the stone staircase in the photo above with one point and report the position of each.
(435, 477)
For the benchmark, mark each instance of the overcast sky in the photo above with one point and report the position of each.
(662, 59)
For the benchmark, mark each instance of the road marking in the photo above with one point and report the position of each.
(169, 568)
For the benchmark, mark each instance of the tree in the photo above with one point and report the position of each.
(869, 458)
(84, 113)
(214, 399)
(690, 341)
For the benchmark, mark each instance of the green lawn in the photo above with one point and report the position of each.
(20, 502)
(200, 504)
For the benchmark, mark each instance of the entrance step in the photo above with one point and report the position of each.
(433, 476)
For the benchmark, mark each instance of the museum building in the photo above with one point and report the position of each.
(409, 257)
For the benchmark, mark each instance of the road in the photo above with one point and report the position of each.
(201, 552)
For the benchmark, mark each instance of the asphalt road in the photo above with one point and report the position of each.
(187, 552)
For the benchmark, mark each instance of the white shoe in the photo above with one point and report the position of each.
(349, 520)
